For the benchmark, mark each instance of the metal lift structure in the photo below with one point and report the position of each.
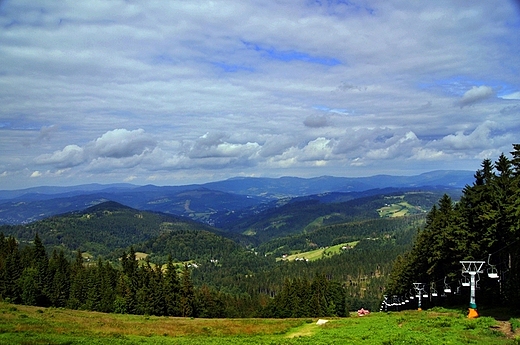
(472, 268)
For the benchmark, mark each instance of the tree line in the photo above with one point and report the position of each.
(483, 225)
(29, 276)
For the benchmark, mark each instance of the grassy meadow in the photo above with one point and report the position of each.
(400, 209)
(317, 254)
(35, 325)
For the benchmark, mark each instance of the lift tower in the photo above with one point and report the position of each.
(419, 289)
(472, 268)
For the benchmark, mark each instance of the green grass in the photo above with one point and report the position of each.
(318, 254)
(32, 325)
(318, 222)
(396, 210)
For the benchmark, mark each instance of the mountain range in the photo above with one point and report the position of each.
(210, 202)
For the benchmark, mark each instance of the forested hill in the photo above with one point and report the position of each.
(101, 229)
(306, 214)
(483, 225)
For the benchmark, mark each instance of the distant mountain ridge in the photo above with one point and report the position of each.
(296, 186)
(291, 186)
(201, 201)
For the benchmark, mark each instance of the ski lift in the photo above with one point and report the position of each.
(465, 280)
(492, 269)
(433, 291)
(459, 288)
(412, 295)
(447, 288)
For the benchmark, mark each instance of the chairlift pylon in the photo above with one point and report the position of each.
(492, 271)
(472, 268)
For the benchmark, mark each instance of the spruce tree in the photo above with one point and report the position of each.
(187, 294)
(172, 291)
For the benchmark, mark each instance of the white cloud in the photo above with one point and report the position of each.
(70, 156)
(121, 143)
(478, 138)
(514, 95)
(476, 94)
(395, 147)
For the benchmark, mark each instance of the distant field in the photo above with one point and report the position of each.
(319, 253)
(33, 325)
(399, 209)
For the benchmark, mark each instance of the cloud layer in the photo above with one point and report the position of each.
(192, 91)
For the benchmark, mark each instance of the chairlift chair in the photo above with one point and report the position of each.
(457, 291)
(492, 271)
(447, 288)
(433, 291)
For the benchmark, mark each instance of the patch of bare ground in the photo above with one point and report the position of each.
(505, 328)
(303, 331)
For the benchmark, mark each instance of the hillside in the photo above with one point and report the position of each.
(101, 229)
(61, 326)
(199, 203)
(305, 214)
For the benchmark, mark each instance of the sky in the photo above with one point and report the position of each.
(179, 92)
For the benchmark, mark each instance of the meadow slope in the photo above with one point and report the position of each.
(35, 325)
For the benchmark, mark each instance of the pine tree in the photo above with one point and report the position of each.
(60, 285)
(78, 283)
(187, 294)
(40, 262)
(10, 269)
(172, 291)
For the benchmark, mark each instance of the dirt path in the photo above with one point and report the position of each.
(505, 327)
(303, 331)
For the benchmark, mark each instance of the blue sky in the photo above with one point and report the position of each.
(182, 92)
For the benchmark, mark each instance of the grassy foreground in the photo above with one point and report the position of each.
(33, 325)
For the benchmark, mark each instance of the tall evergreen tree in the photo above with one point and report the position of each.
(187, 294)
(59, 271)
(172, 290)
(40, 262)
